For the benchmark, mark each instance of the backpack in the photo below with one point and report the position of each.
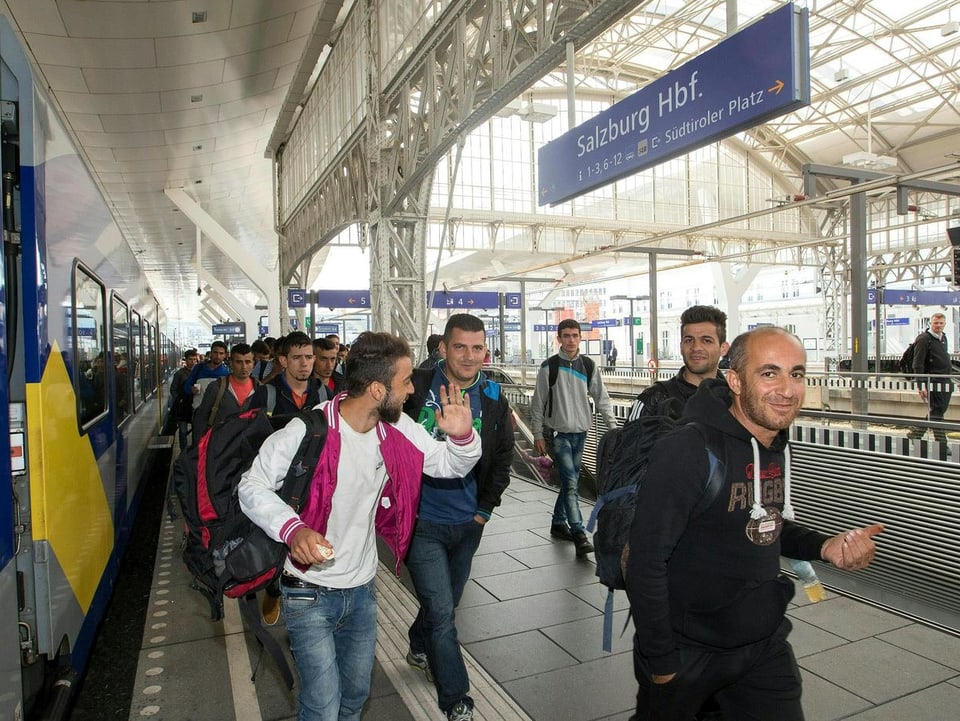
(905, 364)
(622, 457)
(553, 366)
(225, 551)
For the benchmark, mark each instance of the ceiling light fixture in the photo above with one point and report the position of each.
(196, 98)
(200, 16)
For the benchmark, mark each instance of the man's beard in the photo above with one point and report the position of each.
(389, 411)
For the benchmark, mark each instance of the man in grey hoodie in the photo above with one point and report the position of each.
(560, 415)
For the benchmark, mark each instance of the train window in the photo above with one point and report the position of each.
(149, 359)
(121, 357)
(87, 323)
(136, 359)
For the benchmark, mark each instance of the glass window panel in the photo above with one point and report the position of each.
(88, 329)
(121, 360)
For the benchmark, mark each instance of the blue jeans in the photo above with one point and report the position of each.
(567, 452)
(333, 636)
(439, 563)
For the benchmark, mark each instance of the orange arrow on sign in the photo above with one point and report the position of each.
(777, 87)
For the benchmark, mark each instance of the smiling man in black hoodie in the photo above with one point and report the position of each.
(703, 575)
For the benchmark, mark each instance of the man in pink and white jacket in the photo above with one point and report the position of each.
(367, 481)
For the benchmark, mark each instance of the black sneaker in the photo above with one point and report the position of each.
(582, 543)
(460, 712)
(561, 531)
(419, 661)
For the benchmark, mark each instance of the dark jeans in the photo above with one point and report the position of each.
(567, 452)
(439, 563)
(937, 402)
(758, 682)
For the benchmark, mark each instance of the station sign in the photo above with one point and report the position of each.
(357, 299)
(897, 321)
(296, 298)
(605, 323)
(513, 300)
(325, 329)
(544, 327)
(636, 320)
(753, 76)
(914, 297)
(467, 301)
(239, 328)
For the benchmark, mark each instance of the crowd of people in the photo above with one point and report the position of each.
(422, 456)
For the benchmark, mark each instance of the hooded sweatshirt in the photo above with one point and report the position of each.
(712, 579)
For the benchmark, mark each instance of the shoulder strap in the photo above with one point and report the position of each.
(271, 397)
(588, 366)
(300, 473)
(553, 370)
(222, 382)
(250, 610)
(717, 473)
(553, 365)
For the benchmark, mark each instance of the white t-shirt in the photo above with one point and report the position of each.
(350, 526)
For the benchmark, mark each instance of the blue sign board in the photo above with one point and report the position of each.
(359, 299)
(915, 297)
(467, 301)
(605, 323)
(296, 298)
(262, 330)
(897, 321)
(326, 329)
(759, 73)
(543, 327)
(513, 300)
(229, 329)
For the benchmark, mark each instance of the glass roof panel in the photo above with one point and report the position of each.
(884, 76)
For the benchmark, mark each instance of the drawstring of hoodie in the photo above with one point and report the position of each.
(757, 510)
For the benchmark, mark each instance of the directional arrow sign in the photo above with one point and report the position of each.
(359, 299)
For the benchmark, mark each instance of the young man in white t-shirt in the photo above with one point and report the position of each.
(367, 480)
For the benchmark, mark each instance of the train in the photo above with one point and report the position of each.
(83, 358)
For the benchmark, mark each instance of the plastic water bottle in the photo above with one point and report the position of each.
(808, 577)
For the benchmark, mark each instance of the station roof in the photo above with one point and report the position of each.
(158, 96)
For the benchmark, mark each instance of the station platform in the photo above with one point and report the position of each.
(530, 623)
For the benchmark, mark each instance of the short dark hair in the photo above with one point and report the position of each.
(323, 344)
(464, 322)
(190, 353)
(258, 346)
(240, 349)
(433, 342)
(218, 344)
(568, 323)
(705, 314)
(293, 340)
(737, 355)
(373, 358)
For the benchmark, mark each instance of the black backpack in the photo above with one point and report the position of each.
(905, 365)
(622, 457)
(225, 551)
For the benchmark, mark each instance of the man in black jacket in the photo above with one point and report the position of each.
(703, 573)
(930, 358)
(703, 342)
(453, 511)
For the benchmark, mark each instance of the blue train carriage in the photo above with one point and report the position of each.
(83, 361)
